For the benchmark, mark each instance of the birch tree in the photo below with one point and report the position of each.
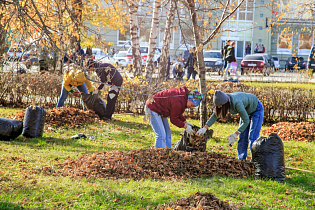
(200, 45)
(166, 41)
(134, 29)
(150, 66)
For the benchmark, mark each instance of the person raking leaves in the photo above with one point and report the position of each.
(108, 74)
(74, 77)
(170, 103)
(251, 113)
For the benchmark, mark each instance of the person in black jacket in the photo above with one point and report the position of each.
(230, 57)
(110, 75)
(223, 52)
(191, 63)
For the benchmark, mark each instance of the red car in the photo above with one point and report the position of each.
(255, 63)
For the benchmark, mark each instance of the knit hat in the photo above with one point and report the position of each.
(195, 97)
(220, 98)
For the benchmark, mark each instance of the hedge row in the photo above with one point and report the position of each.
(280, 104)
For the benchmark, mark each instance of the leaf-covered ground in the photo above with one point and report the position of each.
(25, 161)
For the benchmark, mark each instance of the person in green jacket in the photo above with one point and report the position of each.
(251, 113)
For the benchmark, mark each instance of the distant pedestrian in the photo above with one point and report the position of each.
(260, 48)
(248, 50)
(223, 52)
(191, 64)
(263, 48)
(256, 48)
(230, 57)
(79, 54)
(178, 70)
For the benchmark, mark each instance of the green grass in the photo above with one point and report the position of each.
(21, 188)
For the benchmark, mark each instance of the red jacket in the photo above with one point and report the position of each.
(171, 103)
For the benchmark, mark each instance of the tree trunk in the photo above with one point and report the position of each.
(166, 41)
(201, 66)
(134, 26)
(59, 64)
(150, 66)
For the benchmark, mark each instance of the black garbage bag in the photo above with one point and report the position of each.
(94, 102)
(10, 129)
(34, 121)
(268, 157)
(193, 142)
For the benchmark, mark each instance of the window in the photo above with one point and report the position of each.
(124, 38)
(260, 28)
(259, 40)
(262, 2)
(261, 15)
(245, 11)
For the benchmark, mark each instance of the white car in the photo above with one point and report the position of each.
(144, 55)
(15, 52)
(276, 62)
(99, 56)
(121, 58)
(213, 60)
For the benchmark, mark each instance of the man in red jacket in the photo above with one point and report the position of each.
(170, 103)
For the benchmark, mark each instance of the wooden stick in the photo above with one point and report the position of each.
(299, 169)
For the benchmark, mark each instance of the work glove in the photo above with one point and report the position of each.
(188, 123)
(201, 131)
(189, 130)
(231, 138)
(95, 92)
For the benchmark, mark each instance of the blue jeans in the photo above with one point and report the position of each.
(193, 75)
(161, 129)
(251, 133)
(64, 94)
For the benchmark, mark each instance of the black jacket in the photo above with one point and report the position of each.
(103, 70)
(223, 51)
(230, 54)
(191, 61)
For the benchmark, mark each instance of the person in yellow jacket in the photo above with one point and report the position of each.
(74, 77)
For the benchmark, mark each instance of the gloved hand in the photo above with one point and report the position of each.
(76, 94)
(95, 92)
(188, 123)
(201, 131)
(231, 138)
(189, 130)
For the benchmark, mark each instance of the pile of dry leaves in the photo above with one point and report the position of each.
(198, 200)
(61, 116)
(155, 163)
(301, 131)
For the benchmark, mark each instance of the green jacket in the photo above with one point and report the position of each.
(241, 103)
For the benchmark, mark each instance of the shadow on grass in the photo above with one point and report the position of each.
(10, 206)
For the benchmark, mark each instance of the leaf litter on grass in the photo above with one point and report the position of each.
(65, 116)
(164, 164)
(197, 201)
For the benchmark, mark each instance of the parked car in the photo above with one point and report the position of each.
(269, 59)
(311, 59)
(276, 62)
(30, 58)
(213, 60)
(295, 62)
(255, 63)
(99, 56)
(144, 54)
(41, 56)
(121, 58)
(15, 52)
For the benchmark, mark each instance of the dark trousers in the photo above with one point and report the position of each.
(112, 98)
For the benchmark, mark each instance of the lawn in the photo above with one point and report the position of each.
(23, 189)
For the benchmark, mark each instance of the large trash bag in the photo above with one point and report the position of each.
(193, 142)
(268, 157)
(34, 121)
(94, 102)
(10, 129)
